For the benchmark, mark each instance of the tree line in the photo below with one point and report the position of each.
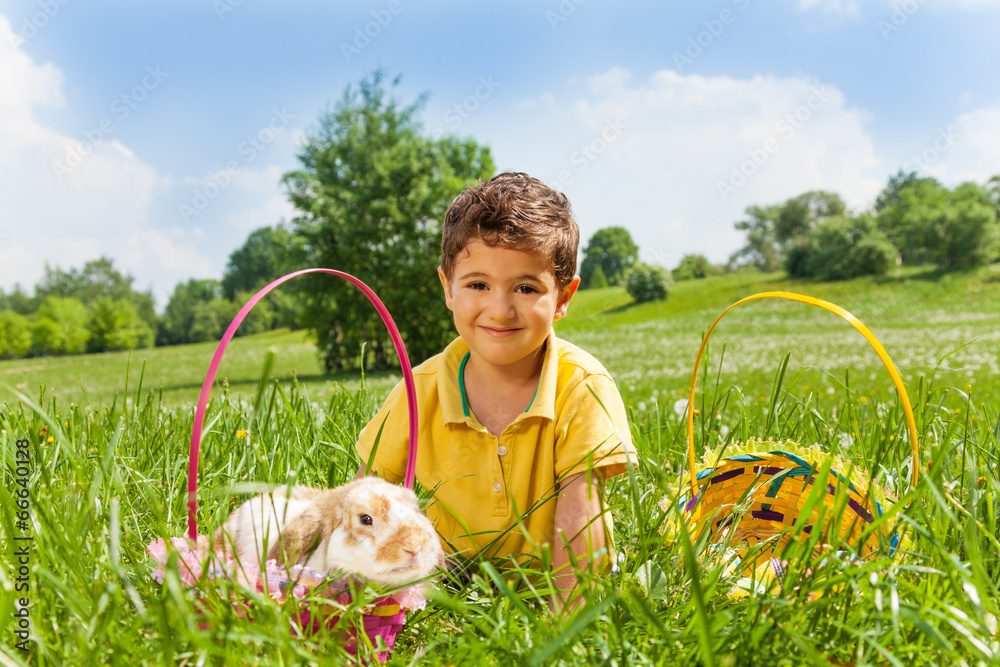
(97, 309)
(915, 221)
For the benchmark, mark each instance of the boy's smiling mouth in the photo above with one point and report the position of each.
(500, 333)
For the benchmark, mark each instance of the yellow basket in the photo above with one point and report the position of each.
(767, 493)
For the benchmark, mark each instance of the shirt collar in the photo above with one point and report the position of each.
(450, 393)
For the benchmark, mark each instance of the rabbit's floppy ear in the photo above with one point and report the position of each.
(303, 534)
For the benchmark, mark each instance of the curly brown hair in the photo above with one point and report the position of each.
(516, 211)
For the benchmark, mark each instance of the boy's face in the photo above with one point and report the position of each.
(504, 301)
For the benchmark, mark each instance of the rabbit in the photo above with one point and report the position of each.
(369, 527)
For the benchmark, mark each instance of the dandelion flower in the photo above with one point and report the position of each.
(241, 434)
(50, 440)
(680, 406)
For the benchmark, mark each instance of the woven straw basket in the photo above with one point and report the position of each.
(384, 617)
(768, 494)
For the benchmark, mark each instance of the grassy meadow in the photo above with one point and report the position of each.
(104, 440)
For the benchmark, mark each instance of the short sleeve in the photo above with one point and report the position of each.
(592, 429)
(390, 459)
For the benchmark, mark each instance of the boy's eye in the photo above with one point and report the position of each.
(525, 289)
(477, 286)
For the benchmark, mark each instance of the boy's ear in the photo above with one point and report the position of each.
(449, 300)
(563, 304)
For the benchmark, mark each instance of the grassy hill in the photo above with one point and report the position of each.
(919, 315)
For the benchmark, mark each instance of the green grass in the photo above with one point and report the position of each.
(113, 477)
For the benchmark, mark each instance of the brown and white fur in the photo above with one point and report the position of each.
(368, 527)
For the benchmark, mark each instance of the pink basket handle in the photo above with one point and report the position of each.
(213, 367)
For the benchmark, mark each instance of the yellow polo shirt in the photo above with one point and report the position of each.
(483, 484)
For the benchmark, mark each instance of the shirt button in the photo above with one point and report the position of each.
(496, 487)
(501, 450)
(516, 426)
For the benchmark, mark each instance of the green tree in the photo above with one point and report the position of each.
(61, 327)
(772, 231)
(372, 193)
(693, 267)
(115, 325)
(18, 301)
(15, 335)
(841, 248)
(597, 278)
(890, 194)
(209, 320)
(267, 254)
(762, 250)
(648, 283)
(612, 249)
(177, 324)
(908, 212)
(47, 337)
(98, 278)
(952, 229)
(800, 214)
(969, 231)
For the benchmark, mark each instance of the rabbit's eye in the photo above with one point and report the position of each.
(365, 520)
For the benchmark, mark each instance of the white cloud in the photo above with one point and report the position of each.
(66, 200)
(274, 210)
(966, 150)
(70, 200)
(676, 159)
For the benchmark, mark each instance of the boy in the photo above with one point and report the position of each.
(518, 429)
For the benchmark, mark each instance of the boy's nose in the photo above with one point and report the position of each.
(501, 308)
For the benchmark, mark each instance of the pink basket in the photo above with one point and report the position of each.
(384, 618)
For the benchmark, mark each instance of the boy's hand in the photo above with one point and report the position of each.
(579, 521)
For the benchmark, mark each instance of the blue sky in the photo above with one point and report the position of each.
(157, 133)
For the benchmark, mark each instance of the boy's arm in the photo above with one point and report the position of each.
(579, 521)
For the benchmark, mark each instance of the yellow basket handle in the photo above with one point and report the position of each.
(825, 305)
